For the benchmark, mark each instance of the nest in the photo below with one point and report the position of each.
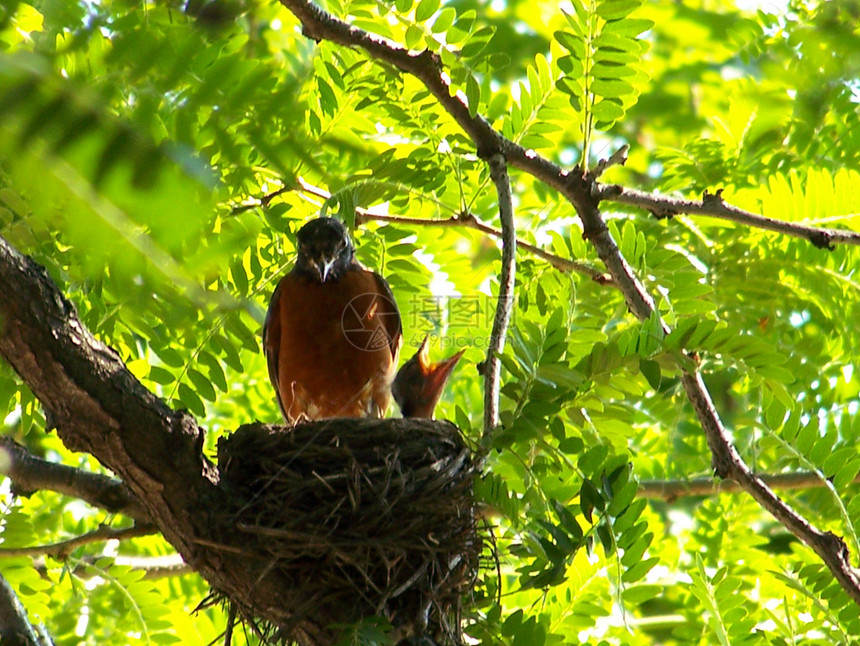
(355, 519)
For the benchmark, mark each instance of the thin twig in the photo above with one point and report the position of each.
(231, 621)
(62, 549)
(153, 567)
(467, 220)
(492, 366)
(585, 197)
(471, 221)
(713, 205)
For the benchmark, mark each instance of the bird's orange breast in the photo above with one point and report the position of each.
(333, 342)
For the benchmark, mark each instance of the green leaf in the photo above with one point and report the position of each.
(593, 459)
(572, 43)
(160, 376)
(609, 70)
(590, 499)
(619, 57)
(607, 110)
(615, 9)
(425, 9)
(202, 384)
(610, 88)
(640, 593)
(190, 400)
(444, 20)
(568, 521)
(628, 26)
(615, 43)
(639, 570)
(170, 356)
(473, 95)
(414, 36)
(651, 371)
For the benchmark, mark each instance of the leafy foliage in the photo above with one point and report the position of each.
(601, 71)
(158, 158)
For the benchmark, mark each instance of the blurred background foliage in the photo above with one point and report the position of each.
(157, 158)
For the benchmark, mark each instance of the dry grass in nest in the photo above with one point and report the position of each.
(356, 518)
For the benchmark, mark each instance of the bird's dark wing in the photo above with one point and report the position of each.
(272, 342)
(390, 317)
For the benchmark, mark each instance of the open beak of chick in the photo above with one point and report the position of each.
(419, 383)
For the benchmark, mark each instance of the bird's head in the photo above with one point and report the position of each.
(419, 383)
(325, 251)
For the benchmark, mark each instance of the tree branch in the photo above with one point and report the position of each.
(29, 473)
(62, 549)
(582, 192)
(713, 205)
(618, 158)
(427, 67)
(671, 490)
(491, 367)
(15, 628)
(467, 220)
(728, 464)
(153, 567)
(99, 407)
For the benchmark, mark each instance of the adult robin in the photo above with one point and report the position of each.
(419, 383)
(332, 333)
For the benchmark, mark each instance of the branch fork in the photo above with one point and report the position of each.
(585, 196)
(99, 407)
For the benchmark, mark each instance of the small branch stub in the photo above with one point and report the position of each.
(618, 158)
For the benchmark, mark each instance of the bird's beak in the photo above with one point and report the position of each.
(327, 265)
(423, 356)
(322, 267)
(436, 374)
(419, 383)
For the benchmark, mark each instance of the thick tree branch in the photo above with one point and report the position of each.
(728, 464)
(29, 473)
(671, 490)
(99, 407)
(62, 549)
(585, 197)
(713, 205)
(15, 628)
(492, 365)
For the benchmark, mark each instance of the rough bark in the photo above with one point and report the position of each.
(15, 629)
(98, 406)
(30, 473)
